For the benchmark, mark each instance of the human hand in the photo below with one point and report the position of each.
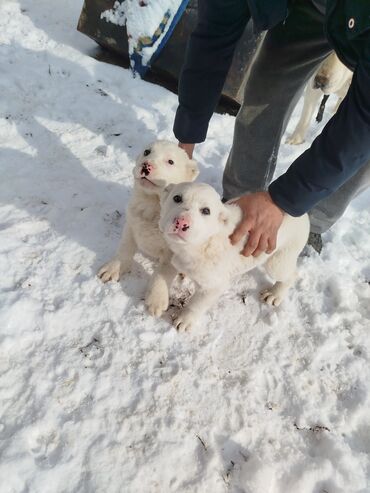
(262, 219)
(188, 148)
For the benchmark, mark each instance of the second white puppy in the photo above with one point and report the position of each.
(197, 225)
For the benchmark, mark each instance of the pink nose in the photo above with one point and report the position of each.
(146, 169)
(181, 224)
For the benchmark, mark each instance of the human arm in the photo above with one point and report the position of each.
(188, 148)
(342, 149)
(208, 59)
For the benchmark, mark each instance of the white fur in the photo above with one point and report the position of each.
(141, 230)
(336, 79)
(204, 252)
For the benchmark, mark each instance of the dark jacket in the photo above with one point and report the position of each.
(341, 149)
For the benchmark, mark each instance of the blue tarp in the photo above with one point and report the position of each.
(168, 17)
(146, 39)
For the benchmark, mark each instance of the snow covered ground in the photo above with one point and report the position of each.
(97, 396)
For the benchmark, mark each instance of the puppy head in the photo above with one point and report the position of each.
(331, 75)
(192, 213)
(162, 163)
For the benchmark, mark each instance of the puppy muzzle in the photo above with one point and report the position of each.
(180, 226)
(146, 169)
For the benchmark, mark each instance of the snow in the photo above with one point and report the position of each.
(116, 15)
(97, 396)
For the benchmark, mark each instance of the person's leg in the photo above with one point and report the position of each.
(286, 59)
(329, 210)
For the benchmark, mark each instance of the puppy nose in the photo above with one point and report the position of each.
(181, 223)
(146, 169)
(320, 81)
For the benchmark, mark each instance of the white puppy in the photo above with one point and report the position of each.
(197, 225)
(332, 77)
(159, 165)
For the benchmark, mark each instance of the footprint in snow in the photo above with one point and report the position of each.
(95, 355)
(46, 447)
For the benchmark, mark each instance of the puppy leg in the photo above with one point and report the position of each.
(282, 268)
(275, 294)
(337, 105)
(341, 93)
(157, 297)
(121, 262)
(311, 100)
(198, 305)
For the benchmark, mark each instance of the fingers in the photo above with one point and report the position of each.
(257, 243)
(252, 243)
(271, 244)
(262, 246)
(188, 148)
(240, 232)
(261, 221)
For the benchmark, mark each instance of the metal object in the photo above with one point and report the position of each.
(170, 60)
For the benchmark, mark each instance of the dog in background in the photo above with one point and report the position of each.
(159, 165)
(332, 77)
(197, 226)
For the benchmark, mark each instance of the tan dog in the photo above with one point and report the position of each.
(332, 77)
(159, 165)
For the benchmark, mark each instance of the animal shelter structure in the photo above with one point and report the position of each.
(152, 35)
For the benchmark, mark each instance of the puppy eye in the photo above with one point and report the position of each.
(170, 161)
(146, 152)
(177, 199)
(205, 211)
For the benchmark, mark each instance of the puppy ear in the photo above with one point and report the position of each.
(165, 193)
(223, 217)
(193, 169)
(230, 215)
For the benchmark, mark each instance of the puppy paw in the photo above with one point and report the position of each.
(185, 320)
(112, 271)
(157, 301)
(271, 296)
(295, 139)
